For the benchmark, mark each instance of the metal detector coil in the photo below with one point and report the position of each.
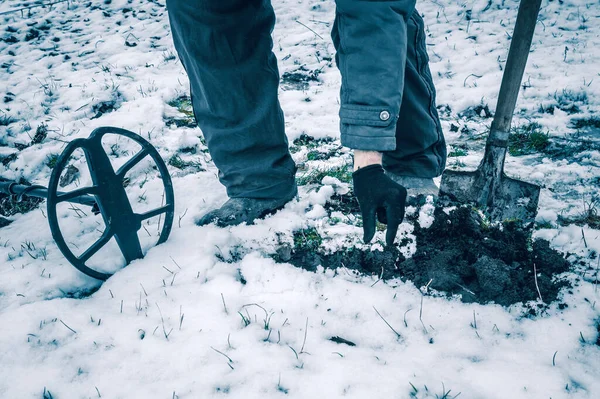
(106, 196)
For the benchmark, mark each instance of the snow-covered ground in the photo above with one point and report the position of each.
(209, 313)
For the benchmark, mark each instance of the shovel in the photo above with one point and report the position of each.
(500, 196)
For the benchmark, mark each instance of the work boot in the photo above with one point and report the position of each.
(239, 210)
(416, 186)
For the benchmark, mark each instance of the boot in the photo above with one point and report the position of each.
(239, 210)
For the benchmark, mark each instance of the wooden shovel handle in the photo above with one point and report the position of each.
(513, 72)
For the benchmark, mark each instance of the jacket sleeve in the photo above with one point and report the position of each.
(370, 38)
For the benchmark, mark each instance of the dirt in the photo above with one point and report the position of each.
(299, 79)
(4, 222)
(461, 254)
(70, 176)
(345, 203)
(479, 111)
(105, 107)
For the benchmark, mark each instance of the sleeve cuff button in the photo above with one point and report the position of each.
(384, 115)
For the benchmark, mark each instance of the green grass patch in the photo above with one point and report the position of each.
(183, 104)
(6, 120)
(342, 173)
(457, 152)
(581, 123)
(307, 239)
(52, 160)
(589, 216)
(314, 155)
(528, 139)
(40, 134)
(543, 225)
(569, 101)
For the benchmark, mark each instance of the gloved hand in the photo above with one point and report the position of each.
(379, 195)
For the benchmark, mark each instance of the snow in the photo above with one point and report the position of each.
(173, 325)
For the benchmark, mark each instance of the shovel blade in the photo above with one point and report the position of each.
(515, 200)
(460, 186)
(501, 199)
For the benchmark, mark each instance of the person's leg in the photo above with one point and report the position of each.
(226, 49)
(371, 42)
(420, 147)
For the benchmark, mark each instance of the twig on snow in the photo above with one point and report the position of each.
(224, 306)
(228, 358)
(405, 323)
(29, 7)
(398, 335)
(305, 333)
(166, 334)
(74, 332)
(310, 29)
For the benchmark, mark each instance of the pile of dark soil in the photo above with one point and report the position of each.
(461, 254)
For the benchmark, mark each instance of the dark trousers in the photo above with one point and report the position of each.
(387, 94)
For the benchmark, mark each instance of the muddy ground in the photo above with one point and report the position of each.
(461, 254)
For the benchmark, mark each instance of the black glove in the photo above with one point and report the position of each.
(379, 195)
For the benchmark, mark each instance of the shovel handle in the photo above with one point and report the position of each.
(513, 72)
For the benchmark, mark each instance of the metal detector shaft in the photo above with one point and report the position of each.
(12, 188)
